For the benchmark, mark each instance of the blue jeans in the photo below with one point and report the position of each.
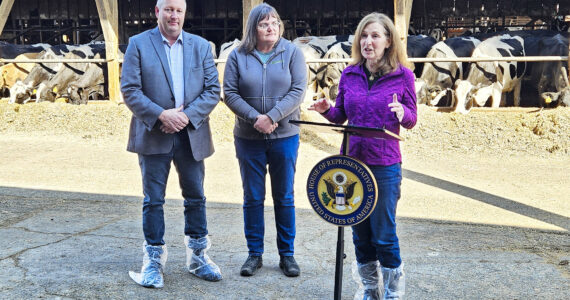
(375, 238)
(281, 156)
(155, 169)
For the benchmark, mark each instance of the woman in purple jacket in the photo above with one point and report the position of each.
(377, 90)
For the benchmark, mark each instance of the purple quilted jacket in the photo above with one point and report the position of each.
(365, 107)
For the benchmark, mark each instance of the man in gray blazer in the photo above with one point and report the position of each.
(170, 83)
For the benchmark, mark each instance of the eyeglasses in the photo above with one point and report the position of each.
(264, 26)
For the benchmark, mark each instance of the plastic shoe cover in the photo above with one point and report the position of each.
(198, 262)
(154, 260)
(394, 282)
(368, 277)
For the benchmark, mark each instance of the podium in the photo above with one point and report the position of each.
(362, 211)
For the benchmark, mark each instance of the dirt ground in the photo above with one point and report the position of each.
(503, 168)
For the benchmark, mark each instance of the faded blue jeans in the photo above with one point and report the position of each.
(155, 169)
(255, 156)
(375, 238)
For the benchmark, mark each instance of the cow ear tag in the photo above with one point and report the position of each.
(548, 100)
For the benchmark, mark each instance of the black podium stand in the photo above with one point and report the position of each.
(347, 131)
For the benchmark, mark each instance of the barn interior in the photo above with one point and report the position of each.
(76, 22)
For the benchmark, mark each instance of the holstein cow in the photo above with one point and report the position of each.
(69, 72)
(315, 47)
(225, 51)
(92, 84)
(438, 78)
(12, 72)
(22, 91)
(491, 80)
(548, 80)
(10, 51)
(328, 76)
(419, 46)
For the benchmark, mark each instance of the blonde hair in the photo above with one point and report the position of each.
(257, 14)
(394, 55)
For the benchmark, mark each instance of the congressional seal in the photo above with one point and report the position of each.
(342, 190)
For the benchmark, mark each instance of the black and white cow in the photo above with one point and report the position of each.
(92, 85)
(492, 80)
(11, 51)
(23, 91)
(328, 74)
(547, 81)
(419, 46)
(438, 78)
(315, 47)
(57, 85)
(12, 72)
(225, 50)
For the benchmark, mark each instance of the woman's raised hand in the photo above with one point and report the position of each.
(320, 106)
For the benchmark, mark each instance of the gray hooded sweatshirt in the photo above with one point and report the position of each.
(275, 89)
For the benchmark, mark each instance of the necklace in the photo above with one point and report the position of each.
(374, 76)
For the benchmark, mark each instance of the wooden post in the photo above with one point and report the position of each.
(408, 8)
(247, 6)
(5, 8)
(400, 20)
(109, 15)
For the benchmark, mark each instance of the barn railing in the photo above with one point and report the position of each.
(345, 60)
(47, 61)
(456, 59)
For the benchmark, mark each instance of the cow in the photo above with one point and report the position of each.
(213, 47)
(547, 81)
(11, 72)
(91, 85)
(11, 51)
(225, 51)
(69, 72)
(328, 75)
(419, 46)
(316, 47)
(22, 91)
(491, 80)
(438, 78)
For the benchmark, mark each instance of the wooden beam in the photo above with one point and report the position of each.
(109, 16)
(409, 4)
(5, 8)
(400, 20)
(248, 5)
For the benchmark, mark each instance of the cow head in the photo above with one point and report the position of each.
(421, 91)
(463, 96)
(77, 94)
(554, 99)
(46, 94)
(20, 92)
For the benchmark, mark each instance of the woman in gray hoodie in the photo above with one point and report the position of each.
(264, 84)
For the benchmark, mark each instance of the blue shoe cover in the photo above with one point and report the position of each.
(198, 262)
(151, 274)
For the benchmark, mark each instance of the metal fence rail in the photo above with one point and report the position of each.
(345, 60)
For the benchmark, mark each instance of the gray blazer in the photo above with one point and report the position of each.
(146, 85)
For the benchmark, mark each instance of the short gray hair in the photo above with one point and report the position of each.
(258, 13)
(159, 3)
